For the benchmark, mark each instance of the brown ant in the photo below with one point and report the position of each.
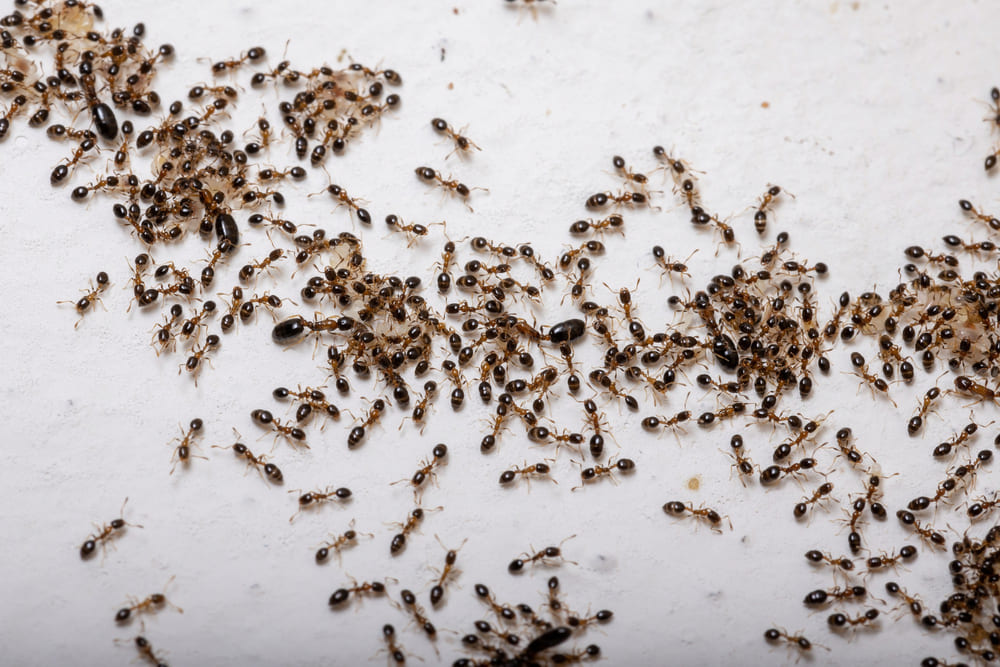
(419, 615)
(613, 222)
(259, 462)
(548, 556)
(393, 648)
(909, 602)
(531, 5)
(622, 198)
(253, 55)
(839, 620)
(372, 416)
(981, 507)
(193, 363)
(884, 560)
(462, 144)
(764, 204)
(340, 195)
(820, 596)
(917, 421)
(526, 472)
(839, 564)
(266, 264)
(84, 303)
(413, 231)
(339, 542)
(448, 573)
(875, 383)
(412, 521)
(710, 516)
(293, 435)
(449, 184)
(154, 602)
(989, 220)
(980, 392)
(146, 651)
(587, 475)
(930, 536)
(371, 588)
(105, 533)
(821, 494)
(182, 452)
(316, 498)
(427, 470)
(797, 641)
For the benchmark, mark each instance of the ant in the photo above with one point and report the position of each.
(392, 647)
(427, 470)
(622, 198)
(526, 471)
(146, 651)
(152, 603)
(462, 190)
(671, 266)
(343, 199)
(851, 453)
(713, 518)
(613, 222)
(373, 588)
(774, 473)
(412, 521)
(410, 602)
(259, 462)
(983, 506)
(821, 494)
(820, 596)
(183, 451)
(989, 220)
(315, 498)
(105, 533)
(413, 231)
(373, 416)
(448, 573)
(842, 563)
(917, 421)
(874, 383)
(840, 620)
(62, 171)
(912, 603)
(266, 264)
(293, 435)
(980, 392)
(420, 409)
(193, 363)
(253, 55)
(531, 5)
(462, 144)
(548, 556)
(340, 542)
(932, 537)
(884, 560)
(588, 475)
(637, 179)
(84, 303)
(767, 201)
(798, 641)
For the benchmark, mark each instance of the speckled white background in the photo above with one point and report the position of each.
(874, 123)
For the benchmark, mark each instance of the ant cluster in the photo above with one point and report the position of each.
(753, 338)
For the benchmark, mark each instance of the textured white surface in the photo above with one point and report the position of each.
(872, 123)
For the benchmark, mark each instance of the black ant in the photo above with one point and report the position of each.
(840, 620)
(764, 204)
(392, 647)
(821, 494)
(419, 616)
(798, 641)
